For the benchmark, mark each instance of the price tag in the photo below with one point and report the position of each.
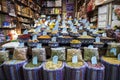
(114, 51)
(80, 28)
(39, 45)
(94, 31)
(97, 39)
(88, 27)
(104, 35)
(74, 59)
(21, 44)
(84, 33)
(44, 33)
(25, 32)
(119, 56)
(54, 39)
(75, 30)
(3, 49)
(13, 62)
(55, 59)
(35, 60)
(34, 37)
(90, 46)
(94, 60)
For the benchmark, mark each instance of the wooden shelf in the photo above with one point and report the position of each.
(24, 22)
(7, 28)
(54, 7)
(24, 16)
(53, 14)
(106, 2)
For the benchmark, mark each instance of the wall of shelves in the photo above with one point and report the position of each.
(52, 7)
(17, 15)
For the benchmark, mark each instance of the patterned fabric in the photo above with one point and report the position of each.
(2, 75)
(75, 73)
(14, 71)
(33, 73)
(53, 74)
(112, 71)
(95, 73)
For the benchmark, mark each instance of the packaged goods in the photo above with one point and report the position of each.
(20, 54)
(72, 52)
(40, 53)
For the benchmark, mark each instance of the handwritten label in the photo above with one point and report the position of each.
(55, 59)
(97, 39)
(80, 28)
(44, 33)
(114, 51)
(34, 37)
(25, 32)
(94, 60)
(39, 45)
(74, 59)
(119, 56)
(35, 60)
(54, 39)
(22, 44)
(90, 46)
(84, 33)
(13, 62)
(104, 35)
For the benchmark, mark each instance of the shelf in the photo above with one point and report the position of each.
(24, 22)
(19, 2)
(24, 16)
(53, 7)
(106, 2)
(6, 13)
(53, 14)
(7, 28)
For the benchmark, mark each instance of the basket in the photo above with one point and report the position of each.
(75, 45)
(86, 40)
(75, 73)
(14, 71)
(112, 71)
(106, 40)
(95, 73)
(36, 73)
(53, 44)
(64, 40)
(57, 74)
(2, 74)
(44, 41)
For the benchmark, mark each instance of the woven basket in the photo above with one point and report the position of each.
(14, 71)
(2, 74)
(95, 73)
(57, 74)
(33, 73)
(75, 73)
(112, 71)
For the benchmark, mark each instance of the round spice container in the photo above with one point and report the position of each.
(112, 68)
(44, 39)
(24, 37)
(53, 44)
(53, 71)
(34, 70)
(75, 44)
(2, 74)
(13, 69)
(98, 45)
(64, 39)
(75, 71)
(95, 71)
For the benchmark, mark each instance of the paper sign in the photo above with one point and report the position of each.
(35, 60)
(119, 56)
(104, 35)
(39, 45)
(25, 32)
(80, 28)
(97, 39)
(94, 60)
(90, 46)
(74, 59)
(34, 37)
(13, 62)
(55, 59)
(114, 51)
(54, 39)
(88, 27)
(3, 49)
(21, 44)
(84, 33)
(44, 33)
